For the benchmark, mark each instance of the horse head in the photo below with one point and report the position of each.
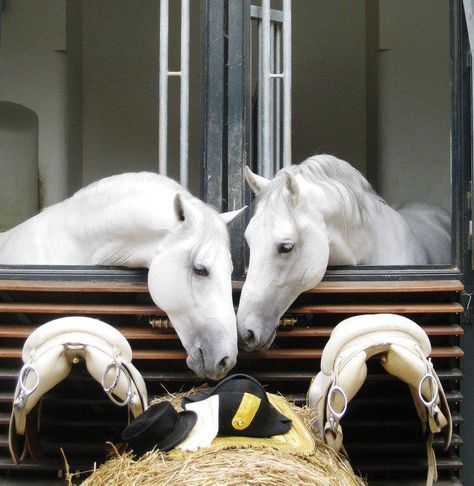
(190, 279)
(289, 253)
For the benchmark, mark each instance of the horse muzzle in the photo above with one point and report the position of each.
(213, 366)
(255, 335)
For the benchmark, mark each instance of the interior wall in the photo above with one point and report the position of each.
(413, 98)
(19, 164)
(89, 70)
(120, 42)
(329, 80)
(33, 68)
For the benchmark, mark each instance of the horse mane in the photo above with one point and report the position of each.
(338, 179)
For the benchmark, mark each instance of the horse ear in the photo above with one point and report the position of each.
(292, 187)
(231, 215)
(182, 208)
(256, 182)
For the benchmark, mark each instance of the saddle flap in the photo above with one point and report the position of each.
(316, 398)
(411, 367)
(51, 368)
(350, 378)
(407, 365)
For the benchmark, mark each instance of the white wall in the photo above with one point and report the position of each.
(329, 90)
(384, 108)
(414, 108)
(89, 70)
(19, 164)
(120, 88)
(33, 74)
(91, 78)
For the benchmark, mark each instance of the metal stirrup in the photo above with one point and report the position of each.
(24, 393)
(430, 405)
(335, 417)
(119, 368)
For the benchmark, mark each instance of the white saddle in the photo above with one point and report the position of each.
(48, 356)
(403, 349)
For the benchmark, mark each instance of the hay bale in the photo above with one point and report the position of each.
(227, 467)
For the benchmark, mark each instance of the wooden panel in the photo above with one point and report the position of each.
(136, 332)
(80, 309)
(396, 308)
(287, 367)
(293, 353)
(323, 287)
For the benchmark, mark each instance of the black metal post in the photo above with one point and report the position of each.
(225, 27)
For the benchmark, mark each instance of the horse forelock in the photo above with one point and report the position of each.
(274, 201)
(208, 233)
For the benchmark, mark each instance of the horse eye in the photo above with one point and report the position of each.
(200, 270)
(286, 247)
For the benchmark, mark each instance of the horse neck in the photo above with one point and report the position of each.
(120, 230)
(381, 236)
(350, 241)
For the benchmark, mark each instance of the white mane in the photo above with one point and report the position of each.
(337, 178)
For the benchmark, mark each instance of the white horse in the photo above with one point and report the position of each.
(319, 213)
(146, 220)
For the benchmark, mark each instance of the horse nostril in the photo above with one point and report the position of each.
(251, 339)
(223, 363)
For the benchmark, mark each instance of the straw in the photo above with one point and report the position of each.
(225, 467)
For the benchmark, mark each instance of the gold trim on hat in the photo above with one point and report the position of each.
(246, 412)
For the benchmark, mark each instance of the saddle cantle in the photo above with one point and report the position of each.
(49, 354)
(403, 349)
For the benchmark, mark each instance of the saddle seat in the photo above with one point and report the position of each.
(49, 354)
(403, 349)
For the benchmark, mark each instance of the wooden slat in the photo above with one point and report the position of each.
(100, 309)
(395, 308)
(325, 331)
(293, 353)
(84, 309)
(323, 287)
(17, 331)
(389, 287)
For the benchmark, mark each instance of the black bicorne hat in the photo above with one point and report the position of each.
(244, 408)
(160, 426)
